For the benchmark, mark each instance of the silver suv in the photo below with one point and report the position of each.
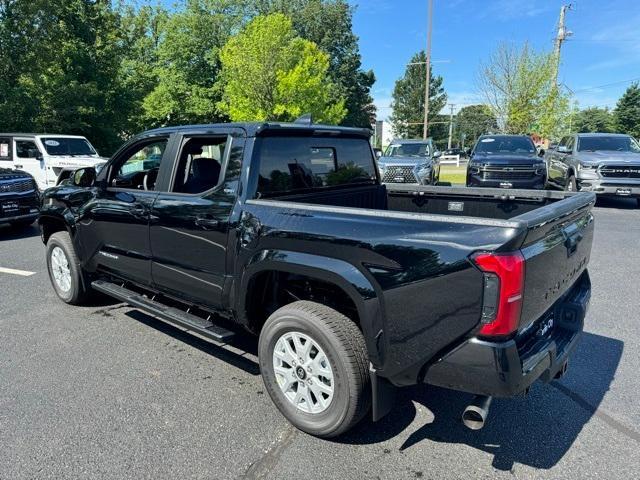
(410, 162)
(604, 163)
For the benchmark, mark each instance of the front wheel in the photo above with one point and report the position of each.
(64, 269)
(314, 366)
(572, 185)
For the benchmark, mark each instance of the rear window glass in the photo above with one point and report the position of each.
(290, 164)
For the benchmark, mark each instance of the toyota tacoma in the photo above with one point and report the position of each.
(354, 288)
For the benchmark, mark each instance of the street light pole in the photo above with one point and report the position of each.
(428, 79)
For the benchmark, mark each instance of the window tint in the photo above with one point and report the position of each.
(139, 169)
(289, 164)
(605, 143)
(5, 150)
(26, 149)
(199, 165)
(500, 144)
(67, 146)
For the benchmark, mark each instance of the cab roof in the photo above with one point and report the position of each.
(255, 129)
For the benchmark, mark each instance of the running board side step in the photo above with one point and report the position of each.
(170, 315)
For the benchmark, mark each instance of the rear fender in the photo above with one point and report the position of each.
(337, 272)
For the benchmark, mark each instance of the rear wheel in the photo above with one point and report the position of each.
(572, 185)
(64, 269)
(314, 366)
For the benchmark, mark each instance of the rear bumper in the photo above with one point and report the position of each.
(505, 369)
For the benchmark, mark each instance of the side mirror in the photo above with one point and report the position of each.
(468, 151)
(84, 177)
(541, 152)
(437, 154)
(378, 153)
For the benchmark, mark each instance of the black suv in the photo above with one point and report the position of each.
(19, 198)
(506, 161)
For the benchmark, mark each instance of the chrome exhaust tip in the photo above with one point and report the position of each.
(475, 414)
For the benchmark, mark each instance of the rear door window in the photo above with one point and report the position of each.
(296, 164)
(5, 149)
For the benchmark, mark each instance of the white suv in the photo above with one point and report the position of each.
(49, 158)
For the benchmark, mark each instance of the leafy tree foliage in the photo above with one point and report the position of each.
(594, 119)
(519, 86)
(328, 23)
(408, 100)
(627, 112)
(269, 73)
(473, 121)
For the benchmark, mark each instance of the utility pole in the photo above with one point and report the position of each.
(425, 133)
(562, 35)
(450, 126)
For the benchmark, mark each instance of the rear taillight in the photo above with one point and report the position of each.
(503, 290)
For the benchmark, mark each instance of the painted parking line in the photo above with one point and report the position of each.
(12, 271)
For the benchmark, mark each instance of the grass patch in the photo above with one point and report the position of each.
(453, 174)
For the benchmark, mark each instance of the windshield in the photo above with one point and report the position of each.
(518, 145)
(67, 146)
(612, 144)
(408, 150)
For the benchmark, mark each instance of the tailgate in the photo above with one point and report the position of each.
(556, 249)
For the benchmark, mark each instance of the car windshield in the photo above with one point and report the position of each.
(408, 150)
(497, 145)
(612, 144)
(67, 146)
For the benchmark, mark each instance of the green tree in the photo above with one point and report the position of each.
(519, 86)
(473, 121)
(328, 23)
(188, 63)
(268, 73)
(594, 119)
(62, 76)
(627, 112)
(408, 99)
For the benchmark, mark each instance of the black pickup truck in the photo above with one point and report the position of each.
(354, 288)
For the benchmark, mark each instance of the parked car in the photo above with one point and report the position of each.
(604, 163)
(452, 152)
(410, 161)
(355, 288)
(19, 200)
(506, 161)
(49, 158)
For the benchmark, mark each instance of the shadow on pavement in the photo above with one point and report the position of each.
(9, 232)
(238, 352)
(536, 430)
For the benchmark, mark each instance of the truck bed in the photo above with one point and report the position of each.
(455, 201)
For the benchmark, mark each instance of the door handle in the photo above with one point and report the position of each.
(139, 211)
(19, 166)
(206, 222)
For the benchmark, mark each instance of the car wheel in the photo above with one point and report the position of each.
(572, 185)
(314, 366)
(64, 269)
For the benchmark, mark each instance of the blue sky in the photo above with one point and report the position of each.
(604, 48)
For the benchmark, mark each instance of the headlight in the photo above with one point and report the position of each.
(587, 167)
(424, 167)
(541, 169)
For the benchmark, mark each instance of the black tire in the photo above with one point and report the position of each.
(344, 347)
(77, 294)
(572, 185)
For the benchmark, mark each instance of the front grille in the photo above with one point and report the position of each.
(17, 186)
(508, 173)
(620, 171)
(399, 175)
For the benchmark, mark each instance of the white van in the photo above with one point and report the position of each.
(49, 158)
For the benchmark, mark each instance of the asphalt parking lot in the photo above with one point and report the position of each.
(108, 392)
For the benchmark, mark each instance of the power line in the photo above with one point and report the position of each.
(637, 79)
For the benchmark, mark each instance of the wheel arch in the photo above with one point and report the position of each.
(344, 276)
(50, 224)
